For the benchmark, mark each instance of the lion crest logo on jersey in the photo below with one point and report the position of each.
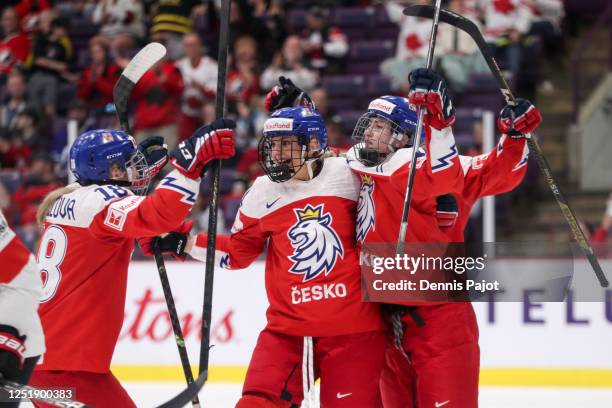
(366, 212)
(316, 246)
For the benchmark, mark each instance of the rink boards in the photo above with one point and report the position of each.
(522, 343)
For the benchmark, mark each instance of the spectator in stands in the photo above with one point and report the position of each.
(457, 54)
(14, 45)
(199, 73)
(412, 44)
(243, 75)
(546, 25)
(96, 85)
(336, 139)
(28, 129)
(38, 180)
(158, 96)
(601, 233)
(79, 112)
(51, 51)
(270, 15)
(13, 153)
(122, 23)
(319, 97)
(171, 20)
(16, 102)
(249, 123)
(247, 169)
(289, 63)
(29, 12)
(506, 25)
(325, 45)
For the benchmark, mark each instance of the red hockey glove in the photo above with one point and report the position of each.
(155, 152)
(428, 90)
(286, 95)
(518, 120)
(447, 211)
(12, 348)
(214, 141)
(174, 243)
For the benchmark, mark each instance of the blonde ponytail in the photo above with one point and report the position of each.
(50, 199)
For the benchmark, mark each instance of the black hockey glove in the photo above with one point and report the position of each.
(428, 90)
(174, 244)
(12, 347)
(286, 95)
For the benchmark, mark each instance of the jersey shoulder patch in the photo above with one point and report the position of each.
(78, 208)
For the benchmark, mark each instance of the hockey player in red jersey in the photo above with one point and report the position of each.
(21, 336)
(317, 326)
(445, 363)
(87, 241)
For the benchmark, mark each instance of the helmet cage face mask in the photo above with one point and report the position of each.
(138, 173)
(375, 136)
(279, 160)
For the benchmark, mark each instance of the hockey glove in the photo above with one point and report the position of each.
(174, 243)
(519, 120)
(155, 152)
(447, 211)
(12, 348)
(214, 141)
(286, 95)
(428, 90)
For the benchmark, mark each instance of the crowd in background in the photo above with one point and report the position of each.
(59, 61)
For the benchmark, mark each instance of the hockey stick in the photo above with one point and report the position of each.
(417, 139)
(472, 30)
(141, 63)
(188, 394)
(214, 199)
(174, 320)
(14, 388)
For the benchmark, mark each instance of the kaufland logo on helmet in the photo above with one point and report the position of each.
(382, 105)
(275, 124)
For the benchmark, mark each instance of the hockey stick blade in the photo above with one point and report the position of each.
(188, 394)
(141, 63)
(59, 402)
(468, 26)
(473, 31)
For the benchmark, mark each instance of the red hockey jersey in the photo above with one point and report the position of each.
(86, 245)
(20, 289)
(496, 172)
(383, 188)
(312, 267)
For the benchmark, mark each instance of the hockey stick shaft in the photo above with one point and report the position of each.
(214, 198)
(417, 140)
(472, 30)
(136, 68)
(186, 395)
(174, 320)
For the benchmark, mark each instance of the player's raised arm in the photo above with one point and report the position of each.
(503, 168)
(428, 90)
(235, 251)
(162, 211)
